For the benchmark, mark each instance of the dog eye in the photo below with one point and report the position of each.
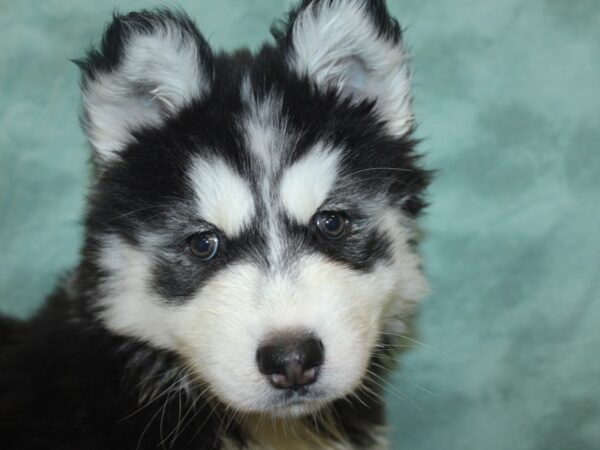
(333, 225)
(204, 245)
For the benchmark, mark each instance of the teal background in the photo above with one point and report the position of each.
(508, 97)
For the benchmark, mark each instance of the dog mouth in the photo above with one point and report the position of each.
(298, 402)
(298, 396)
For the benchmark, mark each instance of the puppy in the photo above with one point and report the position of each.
(249, 253)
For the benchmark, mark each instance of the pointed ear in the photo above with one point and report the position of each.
(148, 66)
(355, 47)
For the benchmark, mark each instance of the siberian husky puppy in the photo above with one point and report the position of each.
(249, 253)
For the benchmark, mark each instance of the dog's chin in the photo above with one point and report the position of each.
(296, 406)
(286, 405)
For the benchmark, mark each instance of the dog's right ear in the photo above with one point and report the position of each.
(149, 66)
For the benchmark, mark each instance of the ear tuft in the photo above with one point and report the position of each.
(354, 47)
(149, 65)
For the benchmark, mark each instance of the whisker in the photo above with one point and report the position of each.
(397, 169)
(414, 341)
(137, 211)
(147, 428)
(389, 388)
(394, 373)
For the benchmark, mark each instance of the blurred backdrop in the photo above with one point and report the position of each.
(507, 94)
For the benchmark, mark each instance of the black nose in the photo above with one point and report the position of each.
(290, 361)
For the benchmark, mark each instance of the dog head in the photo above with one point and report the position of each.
(253, 213)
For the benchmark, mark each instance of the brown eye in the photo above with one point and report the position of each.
(204, 245)
(333, 225)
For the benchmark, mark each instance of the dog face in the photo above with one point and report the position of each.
(253, 213)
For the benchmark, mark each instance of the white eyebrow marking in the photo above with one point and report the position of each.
(307, 183)
(223, 197)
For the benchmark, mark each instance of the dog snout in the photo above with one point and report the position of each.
(291, 361)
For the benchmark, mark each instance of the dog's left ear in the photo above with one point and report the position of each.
(355, 47)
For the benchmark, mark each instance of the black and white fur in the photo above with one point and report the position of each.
(144, 346)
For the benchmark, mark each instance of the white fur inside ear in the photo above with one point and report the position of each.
(337, 44)
(159, 74)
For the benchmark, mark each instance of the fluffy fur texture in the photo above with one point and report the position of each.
(145, 345)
